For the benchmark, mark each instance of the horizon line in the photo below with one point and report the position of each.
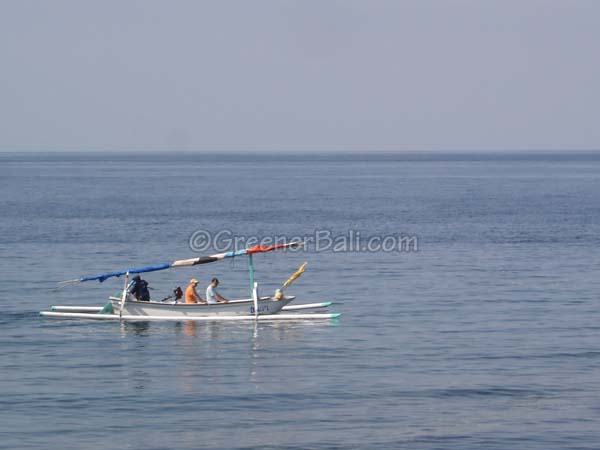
(299, 152)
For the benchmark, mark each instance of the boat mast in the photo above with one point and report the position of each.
(124, 295)
(253, 285)
(251, 273)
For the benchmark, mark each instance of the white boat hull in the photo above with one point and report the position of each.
(245, 307)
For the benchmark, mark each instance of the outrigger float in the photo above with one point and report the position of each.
(126, 307)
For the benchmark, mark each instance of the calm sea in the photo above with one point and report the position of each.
(487, 337)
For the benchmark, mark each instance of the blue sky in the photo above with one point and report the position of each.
(299, 76)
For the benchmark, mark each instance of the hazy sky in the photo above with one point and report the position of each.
(299, 75)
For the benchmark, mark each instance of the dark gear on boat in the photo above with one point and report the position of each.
(178, 293)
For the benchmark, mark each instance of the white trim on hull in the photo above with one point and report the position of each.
(307, 306)
(80, 309)
(266, 317)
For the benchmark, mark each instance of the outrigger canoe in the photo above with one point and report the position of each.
(127, 307)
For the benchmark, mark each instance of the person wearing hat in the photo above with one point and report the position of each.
(191, 296)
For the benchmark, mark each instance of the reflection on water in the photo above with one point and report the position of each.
(217, 331)
(135, 328)
(139, 378)
(190, 328)
(205, 351)
(205, 330)
(254, 371)
(197, 354)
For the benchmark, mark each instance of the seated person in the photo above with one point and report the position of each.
(139, 289)
(191, 296)
(212, 296)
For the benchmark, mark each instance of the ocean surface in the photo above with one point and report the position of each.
(486, 335)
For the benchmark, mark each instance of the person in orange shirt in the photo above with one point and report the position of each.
(191, 296)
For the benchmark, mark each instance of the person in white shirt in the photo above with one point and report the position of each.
(212, 296)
